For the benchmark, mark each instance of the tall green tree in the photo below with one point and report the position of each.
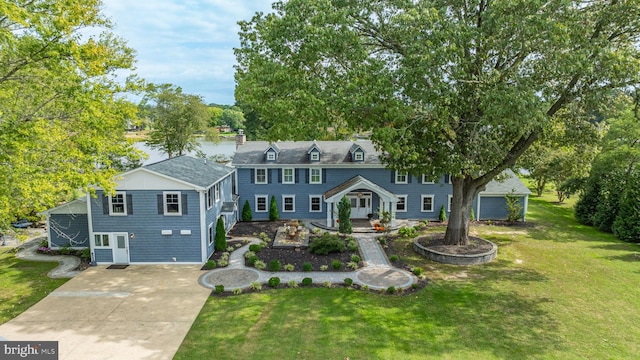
(62, 113)
(177, 117)
(344, 215)
(234, 118)
(445, 86)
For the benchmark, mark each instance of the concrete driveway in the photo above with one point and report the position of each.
(141, 312)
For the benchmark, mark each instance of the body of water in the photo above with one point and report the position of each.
(224, 148)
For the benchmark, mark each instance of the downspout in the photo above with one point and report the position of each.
(91, 234)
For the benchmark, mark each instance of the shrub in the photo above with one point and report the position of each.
(383, 241)
(348, 281)
(442, 216)
(223, 262)
(252, 260)
(391, 290)
(65, 250)
(344, 214)
(238, 246)
(221, 237)
(292, 284)
(418, 271)
(414, 286)
(393, 258)
(355, 258)
(307, 281)
(514, 208)
(365, 287)
(273, 209)
(210, 264)
(336, 264)
(352, 245)
(274, 265)
(306, 267)
(255, 248)
(44, 243)
(316, 231)
(219, 289)
(472, 216)
(352, 265)
(249, 254)
(289, 267)
(264, 237)
(260, 265)
(255, 286)
(274, 282)
(407, 232)
(327, 284)
(246, 211)
(237, 291)
(44, 250)
(324, 267)
(85, 254)
(326, 244)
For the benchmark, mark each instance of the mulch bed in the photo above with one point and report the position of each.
(299, 257)
(254, 228)
(436, 242)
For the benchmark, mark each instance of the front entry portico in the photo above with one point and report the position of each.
(361, 200)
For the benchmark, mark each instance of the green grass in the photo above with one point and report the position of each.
(558, 290)
(23, 284)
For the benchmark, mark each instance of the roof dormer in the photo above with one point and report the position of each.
(314, 152)
(271, 154)
(357, 153)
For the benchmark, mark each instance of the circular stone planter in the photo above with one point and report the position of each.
(457, 259)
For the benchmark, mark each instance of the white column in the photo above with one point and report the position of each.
(329, 209)
(526, 205)
(478, 212)
(392, 210)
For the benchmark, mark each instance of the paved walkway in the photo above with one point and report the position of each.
(67, 264)
(376, 274)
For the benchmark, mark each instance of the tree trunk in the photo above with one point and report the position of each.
(464, 191)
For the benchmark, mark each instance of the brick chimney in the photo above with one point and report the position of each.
(241, 138)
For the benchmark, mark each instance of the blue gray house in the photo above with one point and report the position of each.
(160, 213)
(309, 178)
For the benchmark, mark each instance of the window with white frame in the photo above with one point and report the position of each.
(118, 204)
(271, 156)
(315, 176)
(427, 203)
(315, 156)
(401, 177)
(172, 203)
(261, 203)
(288, 203)
(315, 203)
(288, 176)
(449, 203)
(216, 192)
(425, 180)
(401, 205)
(209, 197)
(101, 240)
(359, 156)
(261, 176)
(211, 234)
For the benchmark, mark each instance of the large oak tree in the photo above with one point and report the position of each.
(446, 86)
(61, 119)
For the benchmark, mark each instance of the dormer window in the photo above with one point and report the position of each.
(314, 152)
(271, 156)
(271, 153)
(358, 156)
(357, 153)
(314, 156)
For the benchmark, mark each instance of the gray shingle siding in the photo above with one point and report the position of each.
(66, 226)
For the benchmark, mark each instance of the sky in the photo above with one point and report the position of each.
(186, 43)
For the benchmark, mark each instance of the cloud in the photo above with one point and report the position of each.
(185, 43)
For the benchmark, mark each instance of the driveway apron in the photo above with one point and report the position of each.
(141, 312)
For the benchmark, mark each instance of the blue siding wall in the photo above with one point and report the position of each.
(495, 207)
(75, 227)
(333, 177)
(103, 255)
(148, 244)
(226, 195)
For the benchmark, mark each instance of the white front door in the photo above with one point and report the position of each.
(121, 248)
(360, 205)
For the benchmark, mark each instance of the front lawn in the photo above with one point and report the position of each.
(23, 283)
(558, 290)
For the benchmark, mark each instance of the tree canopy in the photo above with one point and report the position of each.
(445, 86)
(62, 118)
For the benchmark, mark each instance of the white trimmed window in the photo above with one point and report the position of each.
(118, 204)
(449, 203)
(425, 180)
(271, 156)
(261, 203)
(315, 156)
(401, 177)
(315, 203)
(216, 192)
(359, 155)
(288, 203)
(209, 197)
(315, 176)
(427, 203)
(261, 176)
(401, 205)
(101, 240)
(288, 176)
(211, 234)
(172, 203)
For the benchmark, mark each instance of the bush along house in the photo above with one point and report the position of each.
(309, 178)
(160, 213)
